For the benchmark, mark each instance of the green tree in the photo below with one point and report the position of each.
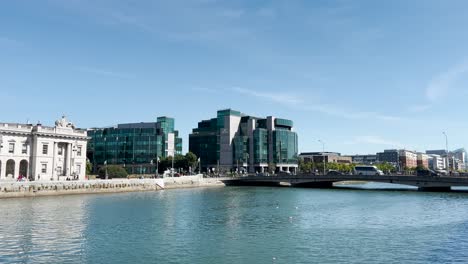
(192, 160)
(271, 167)
(386, 167)
(113, 171)
(89, 168)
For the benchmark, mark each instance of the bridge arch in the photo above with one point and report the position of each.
(23, 168)
(10, 169)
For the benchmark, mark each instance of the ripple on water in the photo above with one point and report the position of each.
(237, 225)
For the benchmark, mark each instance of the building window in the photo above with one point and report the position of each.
(44, 168)
(78, 152)
(59, 171)
(11, 148)
(78, 169)
(45, 149)
(60, 151)
(24, 150)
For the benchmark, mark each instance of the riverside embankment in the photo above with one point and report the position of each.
(39, 188)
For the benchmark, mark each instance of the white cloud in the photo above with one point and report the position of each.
(441, 84)
(103, 72)
(266, 12)
(276, 97)
(419, 108)
(297, 102)
(375, 140)
(10, 42)
(231, 13)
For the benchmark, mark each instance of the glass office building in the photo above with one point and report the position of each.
(134, 145)
(236, 142)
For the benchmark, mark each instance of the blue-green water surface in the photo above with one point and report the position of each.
(237, 225)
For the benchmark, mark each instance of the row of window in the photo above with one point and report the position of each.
(59, 169)
(11, 148)
(45, 149)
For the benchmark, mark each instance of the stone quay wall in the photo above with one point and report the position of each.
(191, 182)
(38, 188)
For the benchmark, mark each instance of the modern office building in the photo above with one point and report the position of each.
(364, 159)
(136, 146)
(42, 153)
(423, 160)
(390, 156)
(408, 159)
(457, 159)
(329, 157)
(233, 141)
(436, 162)
(462, 157)
(440, 152)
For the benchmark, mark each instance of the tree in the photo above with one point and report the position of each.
(181, 162)
(191, 159)
(386, 167)
(271, 168)
(113, 171)
(89, 168)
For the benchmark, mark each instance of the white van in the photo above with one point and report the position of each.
(367, 170)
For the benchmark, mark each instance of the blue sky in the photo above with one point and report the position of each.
(362, 76)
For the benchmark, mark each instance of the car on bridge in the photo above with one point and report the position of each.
(334, 172)
(367, 170)
(427, 173)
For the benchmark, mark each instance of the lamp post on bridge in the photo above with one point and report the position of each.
(323, 155)
(447, 152)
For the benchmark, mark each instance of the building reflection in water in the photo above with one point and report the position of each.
(42, 230)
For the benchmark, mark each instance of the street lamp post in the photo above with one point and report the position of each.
(323, 155)
(280, 148)
(157, 166)
(105, 164)
(172, 165)
(447, 151)
(199, 166)
(74, 150)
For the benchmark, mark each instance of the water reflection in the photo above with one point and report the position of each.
(44, 230)
(237, 225)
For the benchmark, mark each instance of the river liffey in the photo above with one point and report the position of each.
(237, 225)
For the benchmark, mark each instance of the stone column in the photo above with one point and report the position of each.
(2, 169)
(69, 153)
(17, 169)
(54, 161)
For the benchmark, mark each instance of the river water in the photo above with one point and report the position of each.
(238, 225)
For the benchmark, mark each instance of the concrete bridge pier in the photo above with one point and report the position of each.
(435, 189)
(323, 185)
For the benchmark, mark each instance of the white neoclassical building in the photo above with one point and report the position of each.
(42, 153)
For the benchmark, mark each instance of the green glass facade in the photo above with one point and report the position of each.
(133, 145)
(284, 147)
(260, 141)
(256, 142)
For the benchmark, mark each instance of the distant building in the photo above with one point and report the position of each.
(391, 156)
(462, 157)
(135, 146)
(42, 153)
(423, 160)
(436, 162)
(408, 159)
(457, 158)
(461, 154)
(232, 141)
(440, 152)
(330, 157)
(364, 159)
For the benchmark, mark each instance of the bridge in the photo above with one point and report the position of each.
(424, 183)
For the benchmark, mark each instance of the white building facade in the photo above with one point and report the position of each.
(42, 153)
(437, 162)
